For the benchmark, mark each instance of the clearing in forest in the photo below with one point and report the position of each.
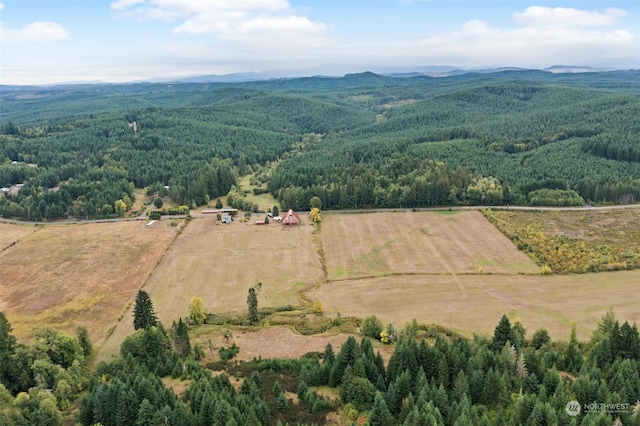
(397, 266)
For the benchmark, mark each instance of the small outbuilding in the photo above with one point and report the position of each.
(291, 218)
(225, 218)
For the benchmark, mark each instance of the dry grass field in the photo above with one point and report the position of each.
(379, 244)
(259, 342)
(398, 266)
(475, 303)
(12, 234)
(220, 262)
(71, 275)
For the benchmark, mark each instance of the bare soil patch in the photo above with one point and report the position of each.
(273, 342)
(71, 275)
(378, 244)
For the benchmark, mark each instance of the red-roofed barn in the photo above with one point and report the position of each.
(291, 218)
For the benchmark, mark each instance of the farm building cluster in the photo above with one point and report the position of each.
(226, 216)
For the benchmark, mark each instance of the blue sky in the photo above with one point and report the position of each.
(49, 41)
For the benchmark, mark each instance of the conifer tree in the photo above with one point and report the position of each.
(502, 334)
(83, 339)
(283, 403)
(572, 356)
(380, 414)
(252, 303)
(180, 336)
(7, 345)
(146, 412)
(143, 315)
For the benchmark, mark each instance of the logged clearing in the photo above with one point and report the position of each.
(219, 262)
(71, 275)
(474, 303)
(379, 244)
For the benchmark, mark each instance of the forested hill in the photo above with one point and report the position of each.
(363, 140)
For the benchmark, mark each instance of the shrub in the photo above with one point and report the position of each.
(228, 353)
(372, 327)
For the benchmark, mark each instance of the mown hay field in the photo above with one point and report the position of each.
(450, 268)
(70, 275)
(472, 304)
(219, 262)
(12, 234)
(379, 244)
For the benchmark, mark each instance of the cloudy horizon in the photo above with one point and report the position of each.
(52, 41)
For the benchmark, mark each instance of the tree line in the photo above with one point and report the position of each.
(506, 378)
(374, 142)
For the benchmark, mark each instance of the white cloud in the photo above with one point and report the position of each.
(36, 32)
(1, 5)
(545, 37)
(123, 4)
(476, 28)
(227, 19)
(537, 16)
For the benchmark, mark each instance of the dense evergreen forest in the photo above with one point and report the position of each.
(363, 140)
(431, 378)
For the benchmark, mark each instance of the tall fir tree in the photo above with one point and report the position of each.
(252, 303)
(83, 339)
(180, 336)
(502, 334)
(7, 349)
(143, 315)
(380, 414)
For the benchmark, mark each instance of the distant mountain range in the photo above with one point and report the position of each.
(430, 71)
(302, 77)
